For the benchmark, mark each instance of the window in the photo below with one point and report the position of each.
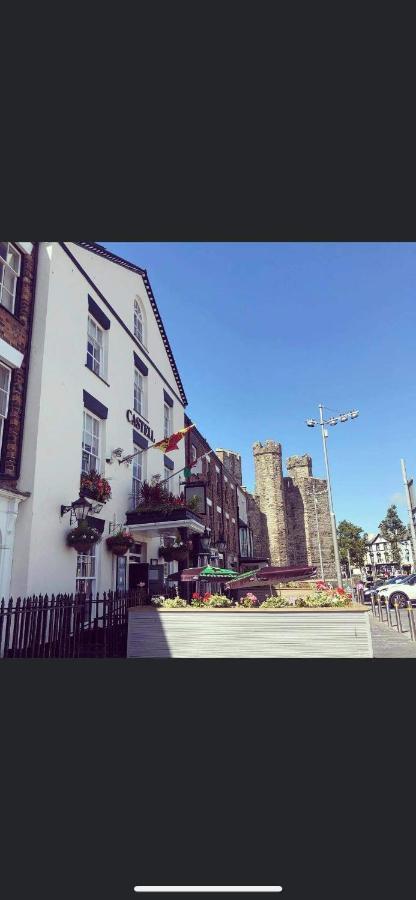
(193, 453)
(95, 348)
(86, 572)
(138, 322)
(138, 401)
(167, 420)
(9, 273)
(91, 457)
(138, 476)
(5, 375)
(166, 474)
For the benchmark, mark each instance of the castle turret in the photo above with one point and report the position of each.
(270, 497)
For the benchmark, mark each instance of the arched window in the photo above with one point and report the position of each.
(139, 330)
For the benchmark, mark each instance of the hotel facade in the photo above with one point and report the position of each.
(103, 385)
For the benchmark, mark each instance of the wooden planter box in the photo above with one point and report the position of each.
(234, 632)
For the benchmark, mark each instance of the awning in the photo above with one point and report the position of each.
(207, 573)
(272, 573)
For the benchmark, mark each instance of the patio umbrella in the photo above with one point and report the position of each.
(210, 573)
(272, 574)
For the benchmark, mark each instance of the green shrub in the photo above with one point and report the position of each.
(275, 603)
(323, 599)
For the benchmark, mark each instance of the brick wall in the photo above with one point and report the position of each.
(221, 490)
(15, 329)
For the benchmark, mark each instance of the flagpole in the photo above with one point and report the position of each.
(156, 446)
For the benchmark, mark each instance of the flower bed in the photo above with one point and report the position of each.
(176, 629)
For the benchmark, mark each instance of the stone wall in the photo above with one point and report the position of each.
(290, 515)
(270, 496)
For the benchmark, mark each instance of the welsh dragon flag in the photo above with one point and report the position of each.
(171, 443)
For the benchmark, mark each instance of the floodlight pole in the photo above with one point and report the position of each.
(331, 508)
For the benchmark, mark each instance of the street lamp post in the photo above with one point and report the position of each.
(343, 417)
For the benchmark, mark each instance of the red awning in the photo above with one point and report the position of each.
(272, 573)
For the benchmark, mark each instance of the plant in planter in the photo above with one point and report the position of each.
(249, 601)
(177, 551)
(155, 497)
(95, 486)
(82, 538)
(120, 541)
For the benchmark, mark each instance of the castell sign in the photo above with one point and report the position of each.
(141, 426)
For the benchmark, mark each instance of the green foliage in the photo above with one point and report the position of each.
(323, 599)
(393, 531)
(275, 603)
(169, 602)
(353, 539)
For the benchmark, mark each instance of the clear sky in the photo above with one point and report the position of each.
(262, 333)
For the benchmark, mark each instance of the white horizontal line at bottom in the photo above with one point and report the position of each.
(208, 890)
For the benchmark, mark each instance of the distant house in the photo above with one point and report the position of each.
(378, 556)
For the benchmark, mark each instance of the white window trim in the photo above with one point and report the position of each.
(4, 417)
(16, 276)
(102, 373)
(169, 426)
(142, 381)
(143, 339)
(99, 458)
(9, 355)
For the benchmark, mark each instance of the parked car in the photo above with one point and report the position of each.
(378, 586)
(399, 591)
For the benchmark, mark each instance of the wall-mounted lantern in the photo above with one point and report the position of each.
(79, 510)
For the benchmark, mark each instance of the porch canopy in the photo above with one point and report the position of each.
(272, 573)
(207, 573)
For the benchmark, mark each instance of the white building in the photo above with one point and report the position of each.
(102, 379)
(378, 555)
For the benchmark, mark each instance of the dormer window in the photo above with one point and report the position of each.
(10, 260)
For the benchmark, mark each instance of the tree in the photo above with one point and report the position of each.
(393, 531)
(353, 539)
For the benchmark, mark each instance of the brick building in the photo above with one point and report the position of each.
(217, 487)
(227, 508)
(17, 289)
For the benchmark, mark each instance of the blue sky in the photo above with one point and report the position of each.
(263, 332)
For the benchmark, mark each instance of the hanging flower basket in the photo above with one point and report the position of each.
(95, 487)
(176, 552)
(82, 538)
(120, 543)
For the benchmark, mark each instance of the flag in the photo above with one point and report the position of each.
(187, 470)
(171, 443)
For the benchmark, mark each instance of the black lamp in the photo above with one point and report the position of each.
(205, 540)
(79, 508)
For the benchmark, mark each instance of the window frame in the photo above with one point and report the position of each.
(102, 371)
(3, 417)
(138, 460)
(167, 428)
(82, 558)
(94, 418)
(138, 377)
(16, 275)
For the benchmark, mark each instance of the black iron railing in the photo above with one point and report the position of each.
(67, 625)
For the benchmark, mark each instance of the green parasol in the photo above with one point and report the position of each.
(213, 571)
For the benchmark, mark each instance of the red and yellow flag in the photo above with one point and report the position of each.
(171, 443)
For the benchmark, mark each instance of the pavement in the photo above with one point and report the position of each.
(387, 642)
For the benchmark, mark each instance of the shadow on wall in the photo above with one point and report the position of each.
(295, 516)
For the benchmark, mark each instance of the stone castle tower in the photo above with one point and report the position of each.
(295, 509)
(270, 496)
